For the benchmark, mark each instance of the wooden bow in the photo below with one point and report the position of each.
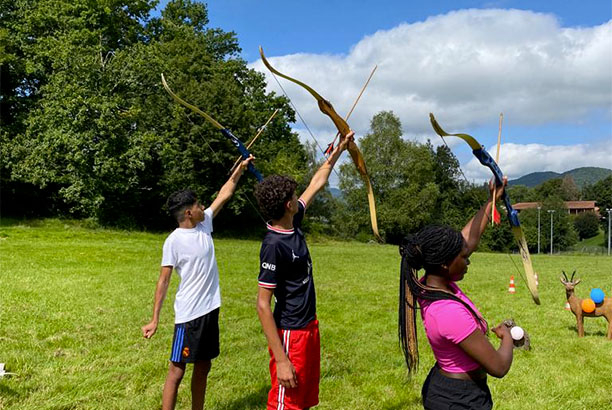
(343, 128)
(244, 152)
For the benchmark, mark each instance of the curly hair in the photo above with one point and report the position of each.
(272, 193)
(430, 248)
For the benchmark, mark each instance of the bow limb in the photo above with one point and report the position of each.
(485, 159)
(343, 128)
(361, 168)
(190, 106)
(324, 105)
(244, 152)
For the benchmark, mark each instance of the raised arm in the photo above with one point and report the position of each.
(320, 177)
(474, 229)
(161, 290)
(228, 189)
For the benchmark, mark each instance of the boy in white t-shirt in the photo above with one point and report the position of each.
(189, 249)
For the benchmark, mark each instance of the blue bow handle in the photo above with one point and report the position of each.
(244, 152)
(487, 160)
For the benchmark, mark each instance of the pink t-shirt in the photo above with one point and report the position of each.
(447, 323)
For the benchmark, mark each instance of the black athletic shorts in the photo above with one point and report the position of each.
(197, 339)
(443, 393)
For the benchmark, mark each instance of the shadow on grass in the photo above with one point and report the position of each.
(254, 400)
(586, 334)
(6, 391)
(414, 403)
(7, 222)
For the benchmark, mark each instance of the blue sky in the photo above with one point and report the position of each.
(333, 26)
(547, 65)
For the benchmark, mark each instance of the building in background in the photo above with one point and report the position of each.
(573, 207)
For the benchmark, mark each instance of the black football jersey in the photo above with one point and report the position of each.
(286, 267)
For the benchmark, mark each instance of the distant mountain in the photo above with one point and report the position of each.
(336, 193)
(581, 176)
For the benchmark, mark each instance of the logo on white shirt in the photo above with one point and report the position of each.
(268, 266)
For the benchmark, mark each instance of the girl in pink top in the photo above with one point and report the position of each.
(454, 327)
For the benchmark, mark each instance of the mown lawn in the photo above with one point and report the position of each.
(73, 300)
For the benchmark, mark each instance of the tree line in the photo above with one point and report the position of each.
(87, 131)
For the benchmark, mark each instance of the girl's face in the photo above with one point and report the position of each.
(459, 266)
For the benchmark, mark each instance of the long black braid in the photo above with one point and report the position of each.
(431, 247)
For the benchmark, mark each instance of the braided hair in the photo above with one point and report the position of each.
(430, 248)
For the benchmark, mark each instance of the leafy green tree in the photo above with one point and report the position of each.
(321, 210)
(586, 225)
(564, 188)
(521, 193)
(547, 189)
(105, 137)
(529, 224)
(455, 200)
(601, 193)
(570, 191)
(564, 234)
(55, 43)
(401, 174)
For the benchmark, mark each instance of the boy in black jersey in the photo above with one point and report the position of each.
(292, 330)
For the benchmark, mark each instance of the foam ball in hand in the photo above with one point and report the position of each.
(588, 305)
(597, 295)
(517, 333)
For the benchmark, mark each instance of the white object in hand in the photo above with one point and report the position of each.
(2, 372)
(517, 333)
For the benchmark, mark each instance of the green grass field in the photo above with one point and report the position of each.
(73, 301)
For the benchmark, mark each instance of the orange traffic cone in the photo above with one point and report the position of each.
(511, 289)
(567, 306)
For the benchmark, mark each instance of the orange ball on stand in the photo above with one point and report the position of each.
(588, 305)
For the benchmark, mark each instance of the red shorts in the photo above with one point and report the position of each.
(303, 347)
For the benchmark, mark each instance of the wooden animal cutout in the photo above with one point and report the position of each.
(602, 309)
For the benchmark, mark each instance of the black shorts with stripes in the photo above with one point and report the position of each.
(196, 340)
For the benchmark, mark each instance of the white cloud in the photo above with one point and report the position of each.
(518, 160)
(466, 66)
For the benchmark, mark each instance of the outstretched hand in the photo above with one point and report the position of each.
(344, 141)
(497, 190)
(245, 163)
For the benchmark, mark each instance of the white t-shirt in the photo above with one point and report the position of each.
(192, 254)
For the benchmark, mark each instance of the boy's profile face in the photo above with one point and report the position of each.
(292, 205)
(195, 212)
